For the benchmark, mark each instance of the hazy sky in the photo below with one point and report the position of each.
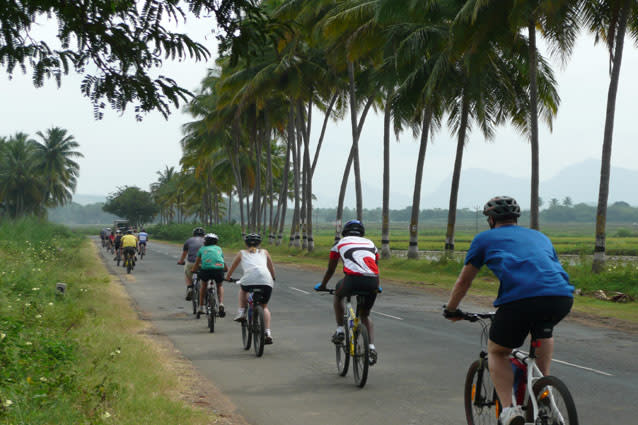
(120, 151)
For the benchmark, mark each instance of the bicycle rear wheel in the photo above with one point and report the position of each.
(247, 330)
(259, 330)
(129, 265)
(361, 359)
(482, 406)
(343, 355)
(212, 308)
(555, 403)
(195, 299)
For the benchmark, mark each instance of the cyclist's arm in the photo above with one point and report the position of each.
(269, 264)
(462, 285)
(332, 266)
(233, 266)
(183, 257)
(198, 262)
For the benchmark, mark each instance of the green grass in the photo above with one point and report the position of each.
(77, 358)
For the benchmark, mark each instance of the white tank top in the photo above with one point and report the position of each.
(255, 268)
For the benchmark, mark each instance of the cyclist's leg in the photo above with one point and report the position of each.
(544, 354)
(202, 293)
(341, 290)
(548, 312)
(501, 371)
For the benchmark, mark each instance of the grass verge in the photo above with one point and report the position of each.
(77, 358)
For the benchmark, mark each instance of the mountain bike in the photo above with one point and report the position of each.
(212, 306)
(545, 400)
(142, 250)
(253, 329)
(356, 344)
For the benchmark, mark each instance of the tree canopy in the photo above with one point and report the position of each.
(132, 203)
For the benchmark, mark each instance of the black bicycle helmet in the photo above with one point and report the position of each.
(210, 239)
(252, 239)
(198, 231)
(502, 207)
(353, 228)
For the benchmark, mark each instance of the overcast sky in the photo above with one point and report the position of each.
(120, 151)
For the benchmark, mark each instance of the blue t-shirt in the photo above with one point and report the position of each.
(524, 261)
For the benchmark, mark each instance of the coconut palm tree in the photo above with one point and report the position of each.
(57, 152)
(609, 21)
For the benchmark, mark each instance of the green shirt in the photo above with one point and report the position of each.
(212, 257)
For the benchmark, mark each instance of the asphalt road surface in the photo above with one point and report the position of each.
(423, 358)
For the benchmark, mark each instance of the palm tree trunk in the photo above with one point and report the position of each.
(456, 176)
(257, 188)
(385, 209)
(355, 141)
(533, 121)
(280, 217)
(413, 249)
(323, 132)
(271, 233)
(346, 173)
(605, 166)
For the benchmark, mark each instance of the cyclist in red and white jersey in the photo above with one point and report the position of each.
(360, 265)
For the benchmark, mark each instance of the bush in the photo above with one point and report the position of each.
(228, 233)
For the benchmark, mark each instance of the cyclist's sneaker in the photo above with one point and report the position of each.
(240, 316)
(189, 292)
(201, 310)
(512, 416)
(222, 313)
(373, 356)
(338, 338)
(268, 339)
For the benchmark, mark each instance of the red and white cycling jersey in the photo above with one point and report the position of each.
(359, 256)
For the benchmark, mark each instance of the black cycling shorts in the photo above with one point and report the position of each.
(211, 274)
(351, 284)
(538, 316)
(266, 291)
(128, 249)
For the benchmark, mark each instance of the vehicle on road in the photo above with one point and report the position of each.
(253, 329)
(545, 400)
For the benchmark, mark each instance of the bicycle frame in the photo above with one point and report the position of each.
(352, 324)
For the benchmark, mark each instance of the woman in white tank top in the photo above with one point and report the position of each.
(258, 270)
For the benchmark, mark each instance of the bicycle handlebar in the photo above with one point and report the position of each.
(233, 280)
(332, 291)
(469, 316)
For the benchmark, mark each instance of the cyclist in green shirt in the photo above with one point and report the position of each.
(211, 266)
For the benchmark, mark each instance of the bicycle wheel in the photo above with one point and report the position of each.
(481, 402)
(343, 354)
(212, 308)
(361, 359)
(555, 403)
(247, 330)
(259, 330)
(195, 299)
(129, 265)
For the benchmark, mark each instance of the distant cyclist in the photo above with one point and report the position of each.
(534, 294)
(117, 243)
(129, 245)
(188, 258)
(142, 237)
(259, 272)
(211, 266)
(360, 265)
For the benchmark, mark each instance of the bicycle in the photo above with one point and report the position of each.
(253, 329)
(549, 402)
(356, 344)
(142, 250)
(128, 262)
(212, 307)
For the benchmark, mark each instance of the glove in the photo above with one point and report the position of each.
(452, 314)
(380, 290)
(318, 287)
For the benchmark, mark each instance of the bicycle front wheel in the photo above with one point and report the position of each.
(361, 359)
(482, 406)
(555, 403)
(259, 331)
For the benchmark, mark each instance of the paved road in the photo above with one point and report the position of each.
(422, 357)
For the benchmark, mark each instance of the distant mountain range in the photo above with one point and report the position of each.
(579, 181)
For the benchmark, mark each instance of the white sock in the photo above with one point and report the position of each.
(268, 332)
(340, 330)
(372, 347)
(241, 310)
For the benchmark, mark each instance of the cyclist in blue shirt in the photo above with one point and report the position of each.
(533, 296)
